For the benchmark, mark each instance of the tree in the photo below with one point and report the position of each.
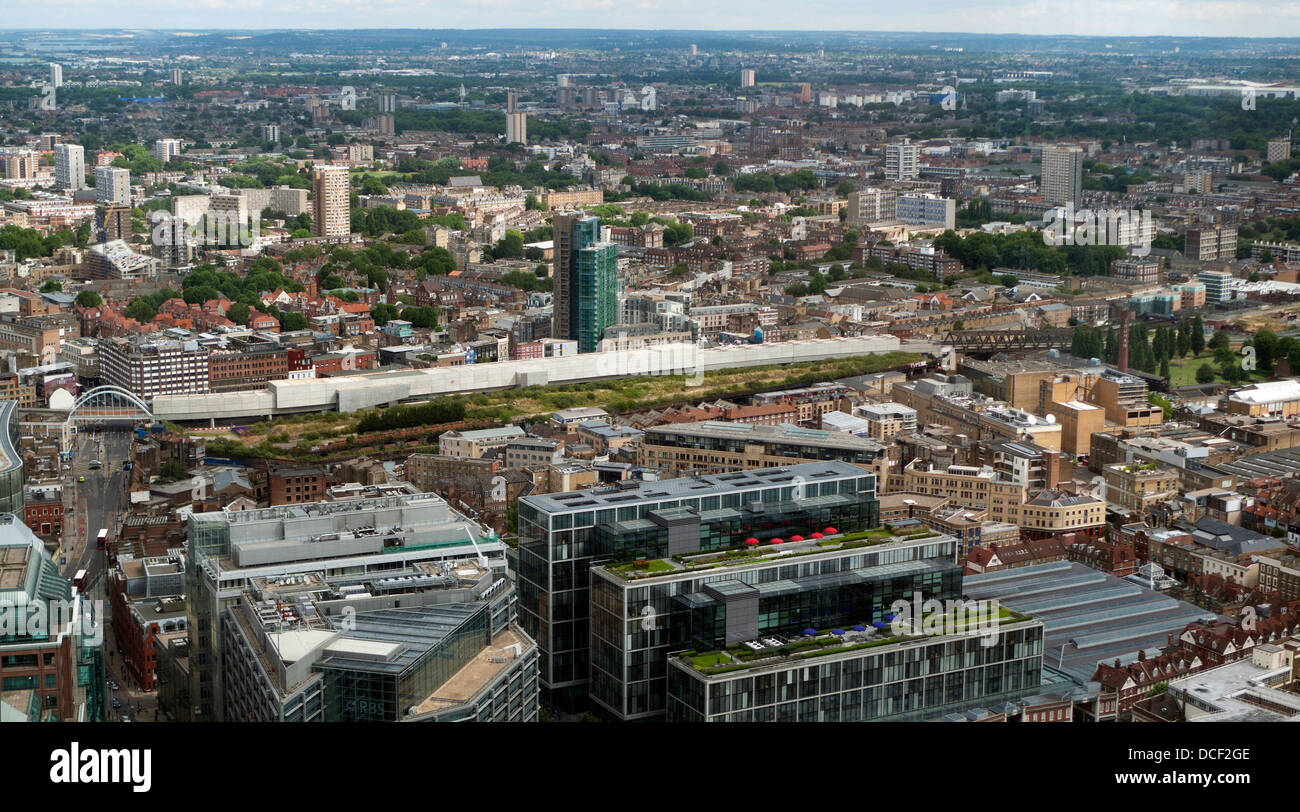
(371, 185)
(677, 233)
(511, 245)
(383, 313)
(89, 298)
(173, 470)
(1197, 335)
(426, 317)
(435, 261)
(292, 321)
(1265, 343)
(141, 310)
(844, 189)
(238, 313)
(1205, 373)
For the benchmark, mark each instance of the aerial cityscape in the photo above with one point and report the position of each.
(598, 375)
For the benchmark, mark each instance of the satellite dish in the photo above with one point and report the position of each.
(1051, 418)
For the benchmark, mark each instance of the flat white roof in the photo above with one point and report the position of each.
(1269, 391)
(364, 649)
(293, 645)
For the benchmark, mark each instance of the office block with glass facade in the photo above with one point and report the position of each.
(441, 645)
(563, 534)
(908, 680)
(396, 536)
(708, 602)
(397, 664)
(51, 645)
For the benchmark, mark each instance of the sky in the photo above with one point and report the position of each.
(1247, 18)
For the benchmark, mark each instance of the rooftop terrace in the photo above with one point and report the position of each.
(781, 650)
(759, 553)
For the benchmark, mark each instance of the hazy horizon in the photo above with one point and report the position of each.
(1104, 18)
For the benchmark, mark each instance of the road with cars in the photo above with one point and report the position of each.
(100, 501)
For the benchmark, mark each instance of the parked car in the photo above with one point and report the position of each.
(117, 703)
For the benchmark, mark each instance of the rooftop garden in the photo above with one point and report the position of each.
(829, 641)
(816, 543)
(632, 569)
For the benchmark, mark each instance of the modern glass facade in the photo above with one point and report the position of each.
(904, 682)
(586, 284)
(357, 690)
(842, 507)
(596, 277)
(841, 587)
(208, 539)
(558, 543)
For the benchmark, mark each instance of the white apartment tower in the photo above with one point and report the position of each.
(56, 75)
(70, 167)
(329, 206)
(902, 161)
(747, 77)
(165, 149)
(1062, 181)
(112, 185)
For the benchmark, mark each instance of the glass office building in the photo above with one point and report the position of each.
(439, 645)
(52, 661)
(562, 534)
(639, 618)
(421, 649)
(910, 680)
(388, 535)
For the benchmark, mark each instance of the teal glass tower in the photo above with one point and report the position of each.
(586, 281)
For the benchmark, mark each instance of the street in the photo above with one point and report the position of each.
(96, 504)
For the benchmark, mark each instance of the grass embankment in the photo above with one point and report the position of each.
(651, 392)
(295, 435)
(1182, 371)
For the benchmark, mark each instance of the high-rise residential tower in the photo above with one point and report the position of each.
(164, 149)
(112, 185)
(329, 205)
(1062, 181)
(586, 280)
(902, 161)
(70, 167)
(516, 122)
